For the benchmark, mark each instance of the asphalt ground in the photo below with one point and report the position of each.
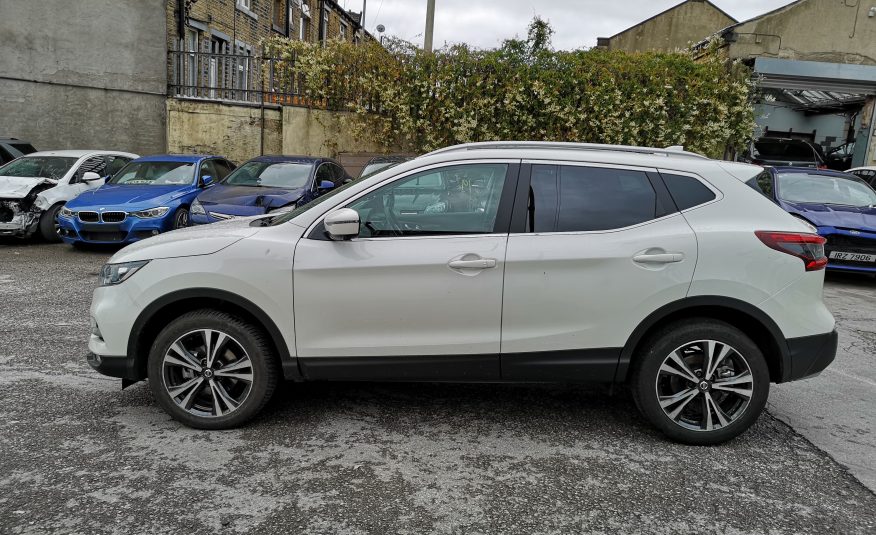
(80, 455)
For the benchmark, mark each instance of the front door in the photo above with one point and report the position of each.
(418, 294)
(597, 250)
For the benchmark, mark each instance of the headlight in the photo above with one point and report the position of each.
(117, 273)
(66, 212)
(196, 208)
(152, 212)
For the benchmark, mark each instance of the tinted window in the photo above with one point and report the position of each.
(462, 199)
(592, 198)
(115, 164)
(765, 183)
(24, 148)
(97, 164)
(325, 173)
(542, 209)
(784, 151)
(687, 191)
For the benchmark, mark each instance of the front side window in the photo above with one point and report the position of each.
(270, 174)
(115, 164)
(154, 174)
(462, 199)
(54, 167)
(95, 164)
(567, 198)
(824, 189)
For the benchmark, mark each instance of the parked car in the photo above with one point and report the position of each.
(34, 188)
(840, 158)
(866, 173)
(841, 206)
(379, 163)
(11, 148)
(268, 184)
(527, 262)
(148, 196)
(785, 152)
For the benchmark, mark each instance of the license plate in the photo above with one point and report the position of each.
(852, 257)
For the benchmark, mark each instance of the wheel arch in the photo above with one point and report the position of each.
(751, 320)
(165, 309)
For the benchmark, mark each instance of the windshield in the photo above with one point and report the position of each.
(269, 174)
(54, 167)
(824, 189)
(288, 216)
(154, 174)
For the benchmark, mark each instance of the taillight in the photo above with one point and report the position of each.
(807, 247)
(822, 168)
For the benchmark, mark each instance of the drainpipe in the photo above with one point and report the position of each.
(323, 31)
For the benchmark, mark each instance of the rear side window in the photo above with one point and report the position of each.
(687, 191)
(579, 199)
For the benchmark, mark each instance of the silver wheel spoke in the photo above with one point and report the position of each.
(193, 386)
(220, 393)
(170, 359)
(711, 407)
(742, 378)
(744, 392)
(235, 370)
(213, 350)
(682, 370)
(712, 360)
(217, 406)
(690, 395)
(185, 355)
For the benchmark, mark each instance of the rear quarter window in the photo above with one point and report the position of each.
(687, 191)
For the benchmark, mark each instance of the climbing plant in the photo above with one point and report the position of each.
(408, 99)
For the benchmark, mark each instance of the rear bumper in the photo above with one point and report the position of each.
(809, 355)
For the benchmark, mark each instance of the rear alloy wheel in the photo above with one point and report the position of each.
(701, 382)
(211, 370)
(181, 218)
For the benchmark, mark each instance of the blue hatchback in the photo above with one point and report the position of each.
(148, 196)
(841, 206)
(268, 184)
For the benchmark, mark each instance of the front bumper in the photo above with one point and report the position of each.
(130, 230)
(810, 355)
(18, 224)
(121, 367)
(849, 241)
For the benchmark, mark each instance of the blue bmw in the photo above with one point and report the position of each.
(841, 206)
(268, 184)
(148, 196)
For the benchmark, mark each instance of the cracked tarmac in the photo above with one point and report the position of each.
(79, 455)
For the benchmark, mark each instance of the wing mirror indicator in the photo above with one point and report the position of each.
(342, 224)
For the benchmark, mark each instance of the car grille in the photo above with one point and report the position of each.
(113, 217)
(89, 217)
(850, 244)
(103, 236)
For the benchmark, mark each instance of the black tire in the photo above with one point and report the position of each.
(648, 380)
(181, 218)
(251, 339)
(49, 224)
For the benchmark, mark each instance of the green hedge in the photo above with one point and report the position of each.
(417, 101)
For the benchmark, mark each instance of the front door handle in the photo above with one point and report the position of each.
(659, 258)
(480, 263)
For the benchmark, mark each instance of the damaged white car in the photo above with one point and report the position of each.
(33, 188)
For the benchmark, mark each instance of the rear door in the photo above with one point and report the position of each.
(593, 250)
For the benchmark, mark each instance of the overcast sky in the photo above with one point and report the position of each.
(485, 23)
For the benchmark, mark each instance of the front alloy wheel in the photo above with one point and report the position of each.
(207, 373)
(212, 370)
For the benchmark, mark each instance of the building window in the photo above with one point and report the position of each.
(343, 31)
(191, 61)
(245, 4)
(304, 27)
(278, 15)
(241, 77)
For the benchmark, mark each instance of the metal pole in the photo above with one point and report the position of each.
(430, 24)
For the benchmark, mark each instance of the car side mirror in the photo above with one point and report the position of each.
(326, 185)
(206, 180)
(91, 176)
(342, 224)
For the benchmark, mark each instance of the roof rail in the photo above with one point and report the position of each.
(558, 145)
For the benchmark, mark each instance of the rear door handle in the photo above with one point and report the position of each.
(480, 263)
(659, 258)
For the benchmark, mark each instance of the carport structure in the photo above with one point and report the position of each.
(835, 98)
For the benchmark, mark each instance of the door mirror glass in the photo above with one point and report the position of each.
(326, 185)
(90, 176)
(342, 224)
(206, 180)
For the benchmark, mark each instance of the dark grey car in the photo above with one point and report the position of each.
(11, 148)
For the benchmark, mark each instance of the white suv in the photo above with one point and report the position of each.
(511, 261)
